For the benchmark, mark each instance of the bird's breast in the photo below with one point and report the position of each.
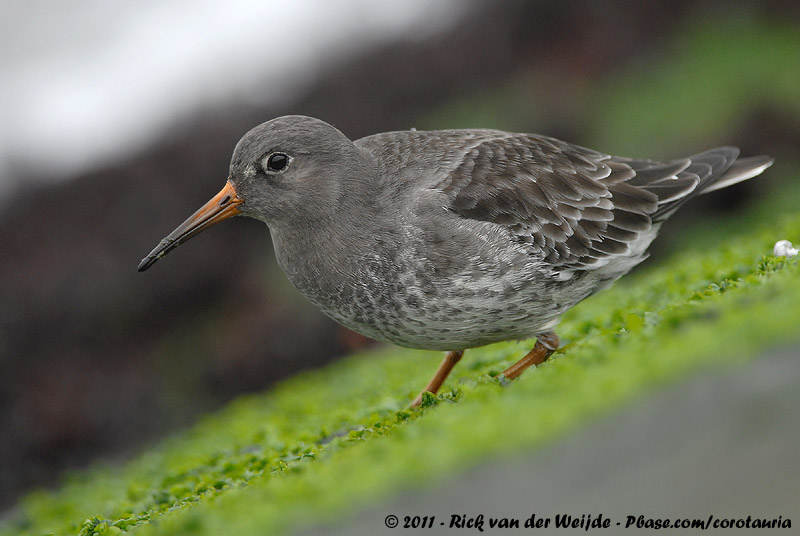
(430, 291)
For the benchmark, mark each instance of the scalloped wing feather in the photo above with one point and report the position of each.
(579, 207)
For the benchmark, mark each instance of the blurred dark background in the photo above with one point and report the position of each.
(97, 359)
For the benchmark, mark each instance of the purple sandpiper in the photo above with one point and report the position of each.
(452, 239)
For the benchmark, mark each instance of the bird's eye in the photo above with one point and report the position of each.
(276, 162)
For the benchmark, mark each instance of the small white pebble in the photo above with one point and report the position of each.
(783, 248)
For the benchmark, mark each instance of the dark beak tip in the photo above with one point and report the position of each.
(145, 264)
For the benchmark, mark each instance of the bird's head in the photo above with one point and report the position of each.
(287, 171)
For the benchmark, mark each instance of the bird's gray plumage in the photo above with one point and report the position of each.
(458, 238)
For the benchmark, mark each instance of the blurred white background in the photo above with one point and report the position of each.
(87, 82)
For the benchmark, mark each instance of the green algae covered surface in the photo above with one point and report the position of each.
(330, 441)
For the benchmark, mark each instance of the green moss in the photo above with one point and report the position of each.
(331, 440)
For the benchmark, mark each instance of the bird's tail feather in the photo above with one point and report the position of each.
(710, 170)
(741, 170)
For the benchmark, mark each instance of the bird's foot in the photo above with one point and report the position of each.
(450, 360)
(423, 400)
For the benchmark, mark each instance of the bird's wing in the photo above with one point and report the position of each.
(575, 205)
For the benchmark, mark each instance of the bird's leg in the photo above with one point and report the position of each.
(450, 360)
(546, 344)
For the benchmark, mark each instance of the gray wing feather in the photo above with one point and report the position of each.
(579, 206)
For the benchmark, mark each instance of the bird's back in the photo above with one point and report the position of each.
(577, 206)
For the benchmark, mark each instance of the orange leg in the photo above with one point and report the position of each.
(450, 360)
(546, 344)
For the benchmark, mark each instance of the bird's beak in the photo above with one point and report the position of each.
(222, 206)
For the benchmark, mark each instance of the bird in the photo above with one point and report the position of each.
(452, 239)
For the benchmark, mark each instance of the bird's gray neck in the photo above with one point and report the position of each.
(332, 250)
